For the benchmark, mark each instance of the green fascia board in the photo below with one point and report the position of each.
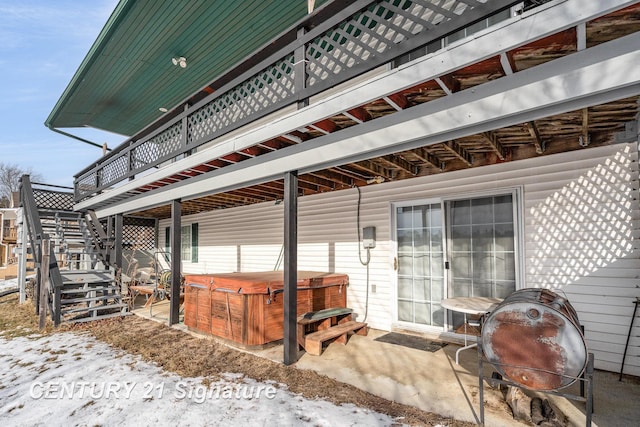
(127, 74)
(112, 23)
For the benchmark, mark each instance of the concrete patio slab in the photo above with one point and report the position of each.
(432, 381)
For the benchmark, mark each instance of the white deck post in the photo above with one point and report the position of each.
(22, 257)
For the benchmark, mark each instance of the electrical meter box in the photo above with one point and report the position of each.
(369, 237)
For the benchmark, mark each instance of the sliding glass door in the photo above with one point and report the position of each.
(453, 248)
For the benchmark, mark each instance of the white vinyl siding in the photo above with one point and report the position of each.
(580, 214)
(582, 239)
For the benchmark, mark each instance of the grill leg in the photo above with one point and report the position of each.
(481, 383)
(584, 374)
(589, 409)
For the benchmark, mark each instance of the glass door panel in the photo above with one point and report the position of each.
(482, 248)
(420, 264)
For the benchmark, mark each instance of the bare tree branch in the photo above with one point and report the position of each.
(10, 175)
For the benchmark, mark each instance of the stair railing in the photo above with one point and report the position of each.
(103, 243)
(35, 235)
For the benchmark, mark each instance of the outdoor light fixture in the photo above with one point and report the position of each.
(181, 61)
(162, 109)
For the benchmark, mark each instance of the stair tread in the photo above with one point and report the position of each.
(94, 308)
(52, 214)
(88, 294)
(67, 301)
(87, 275)
(104, 316)
(88, 282)
(335, 331)
(81, 290)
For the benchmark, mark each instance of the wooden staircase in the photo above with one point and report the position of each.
(90, 295)
(82, 285)
(73, 242)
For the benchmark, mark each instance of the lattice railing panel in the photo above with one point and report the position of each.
(255, 94)
(161, 146)
(378, 29)
(87, 184)
(55, 200)
(139, 233)
(113, 171)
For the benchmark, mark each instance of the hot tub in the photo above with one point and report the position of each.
(247, 308)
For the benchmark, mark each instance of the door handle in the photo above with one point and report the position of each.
(395, 263)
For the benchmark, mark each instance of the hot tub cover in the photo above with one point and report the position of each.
(263, 282)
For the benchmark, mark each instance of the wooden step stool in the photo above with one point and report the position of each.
(317, 327)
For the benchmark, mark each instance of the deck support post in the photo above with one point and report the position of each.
(290, 267)
(22, 259)
(176, 229)
(44, 285)
(117, 247)
(109, 242)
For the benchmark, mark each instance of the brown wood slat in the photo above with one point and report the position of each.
(203, 316)
(316, 316)
(313, 342)
(247, 308)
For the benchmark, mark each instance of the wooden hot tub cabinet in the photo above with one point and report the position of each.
(247, 308)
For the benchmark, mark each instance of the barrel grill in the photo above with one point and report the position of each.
(533, 338)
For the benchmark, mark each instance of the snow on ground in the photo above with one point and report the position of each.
(6, 284)
(73, 379)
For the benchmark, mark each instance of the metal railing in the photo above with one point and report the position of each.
(362, 36)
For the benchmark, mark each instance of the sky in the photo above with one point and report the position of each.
(42, 43)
